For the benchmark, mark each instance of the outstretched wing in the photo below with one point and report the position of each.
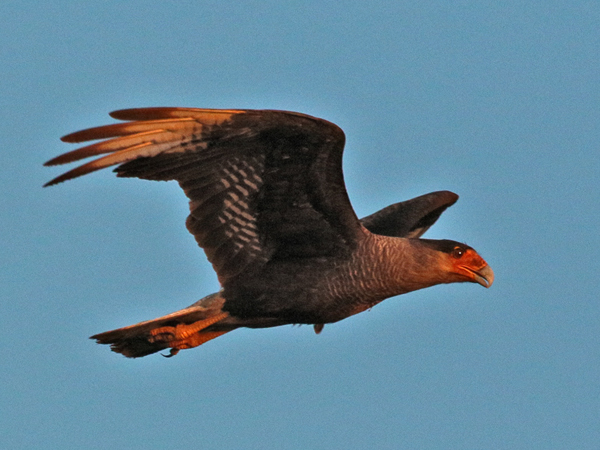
(263, 185)
(412, 218)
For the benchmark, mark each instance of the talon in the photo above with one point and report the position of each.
(172, 353)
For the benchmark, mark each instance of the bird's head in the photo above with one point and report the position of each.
(461, 262)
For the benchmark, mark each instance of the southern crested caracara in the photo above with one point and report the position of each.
(269, 207)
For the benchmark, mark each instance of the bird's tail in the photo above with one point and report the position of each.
(186, 328)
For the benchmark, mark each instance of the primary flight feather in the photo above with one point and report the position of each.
(269, 207)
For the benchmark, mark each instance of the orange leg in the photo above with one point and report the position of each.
(187, 335)
(193, 341)
(182, 330)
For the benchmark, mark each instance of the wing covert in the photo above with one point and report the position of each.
(411, 218)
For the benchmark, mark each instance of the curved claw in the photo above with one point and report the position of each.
(172, 353)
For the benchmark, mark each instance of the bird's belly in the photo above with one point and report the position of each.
(308, 294)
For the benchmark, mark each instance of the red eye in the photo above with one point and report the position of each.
(457, 252)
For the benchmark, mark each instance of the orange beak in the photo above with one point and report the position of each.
(475, 268)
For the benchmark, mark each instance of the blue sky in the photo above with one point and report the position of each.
(496, 101)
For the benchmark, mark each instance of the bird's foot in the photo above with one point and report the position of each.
(182, 331)
(183, 335)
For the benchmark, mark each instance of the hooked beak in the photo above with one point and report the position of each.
(483, 276)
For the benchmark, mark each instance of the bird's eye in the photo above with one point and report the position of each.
(457, 252)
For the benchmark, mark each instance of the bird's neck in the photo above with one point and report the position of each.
(381, 267)
(403, 265)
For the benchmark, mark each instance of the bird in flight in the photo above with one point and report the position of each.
(269, 206)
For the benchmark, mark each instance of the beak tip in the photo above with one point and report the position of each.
(485, 277)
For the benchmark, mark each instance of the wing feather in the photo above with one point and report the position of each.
(206, 116)
(411, 218)
(118, 157)
(263, 185)
(124, 129)
(100, 148)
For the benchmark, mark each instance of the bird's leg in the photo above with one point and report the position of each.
(183, 330)
(193, 341)
(184, 335)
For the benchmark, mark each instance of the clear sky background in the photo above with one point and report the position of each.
(496, 101)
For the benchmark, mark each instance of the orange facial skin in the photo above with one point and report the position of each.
(468, 263)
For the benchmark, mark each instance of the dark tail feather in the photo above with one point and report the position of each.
(186, 328)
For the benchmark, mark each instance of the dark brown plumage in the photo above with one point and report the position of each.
(269, 207)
